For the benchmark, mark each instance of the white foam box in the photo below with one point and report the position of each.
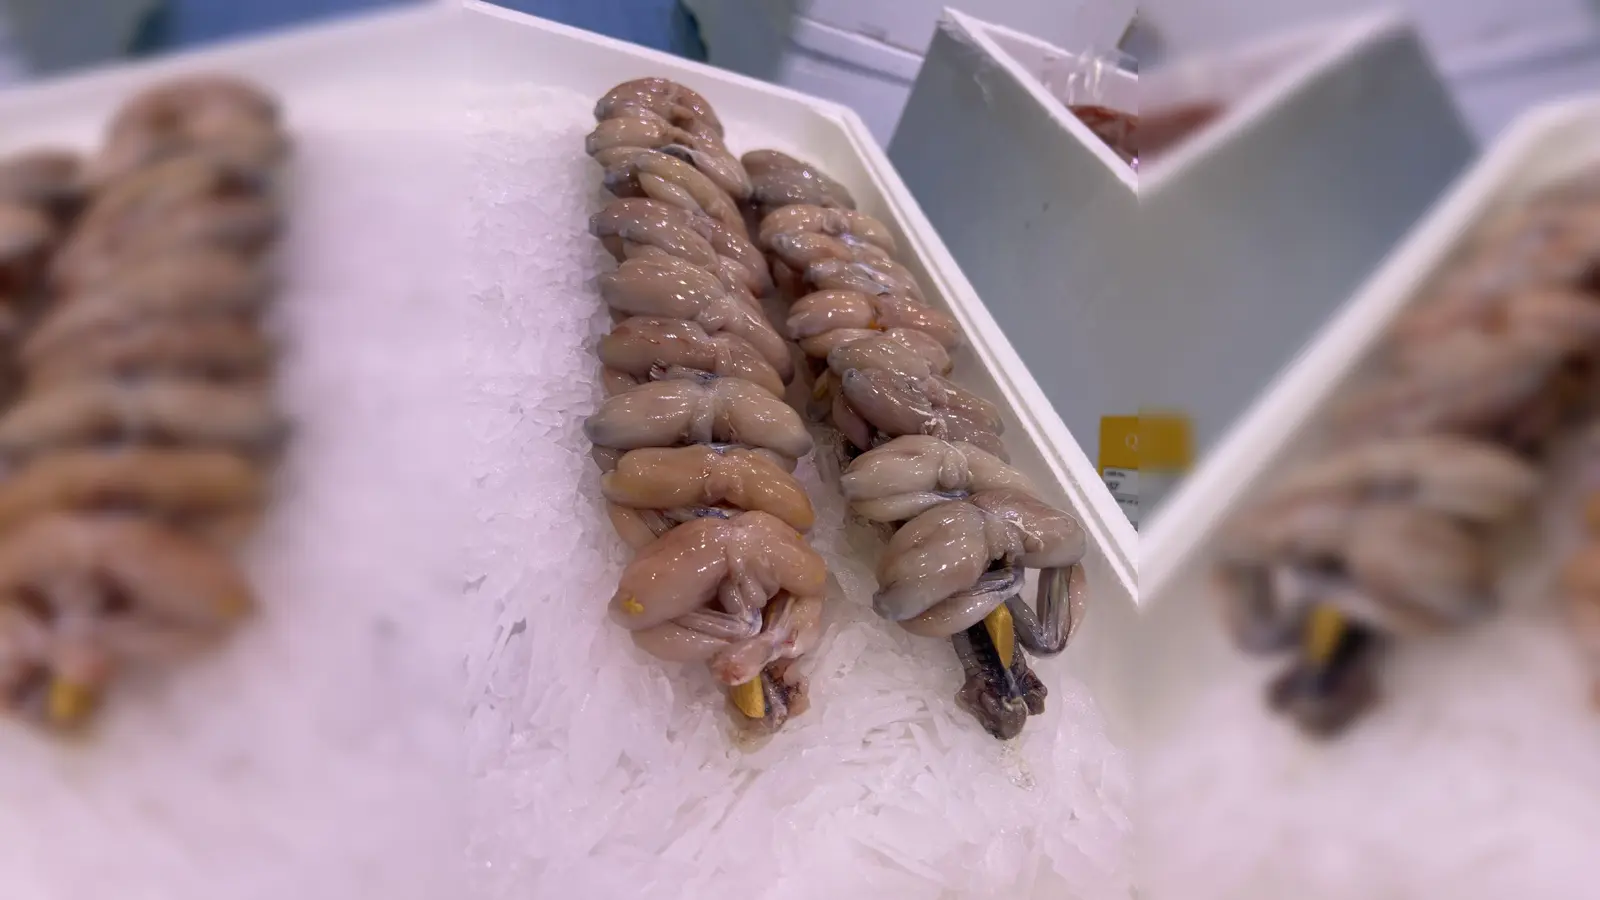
(404, 64)
(1188, 285)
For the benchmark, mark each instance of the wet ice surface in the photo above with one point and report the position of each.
(602, 773)
(317, 755)
(1478, 777)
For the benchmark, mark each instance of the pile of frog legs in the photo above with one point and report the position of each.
(138, 428)
(752, 297)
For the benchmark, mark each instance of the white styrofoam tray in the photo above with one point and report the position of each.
(390, 79)
(1334, 139)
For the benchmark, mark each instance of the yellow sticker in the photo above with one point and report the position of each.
(1153, 441)
(1119, 443)
(1165, 441)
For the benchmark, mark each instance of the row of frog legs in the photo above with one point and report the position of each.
(137, 426)
(751, 296)
(1394, 530)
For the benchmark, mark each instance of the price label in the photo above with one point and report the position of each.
(1142, 457)
(1124, 486)
(1119, 462)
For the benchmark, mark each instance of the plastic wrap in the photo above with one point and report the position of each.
(1083, 83)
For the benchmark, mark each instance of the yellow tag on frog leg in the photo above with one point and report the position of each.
(1323, 631)
(749, 698)
(1002, 633)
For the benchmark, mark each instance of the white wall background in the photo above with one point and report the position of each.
(1499, 56)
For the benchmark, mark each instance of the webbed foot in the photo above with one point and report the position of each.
(1000, 698)
(1323, 700)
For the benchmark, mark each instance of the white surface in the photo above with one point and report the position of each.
(1480, 760)
(1125, 293)
(323, 754)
